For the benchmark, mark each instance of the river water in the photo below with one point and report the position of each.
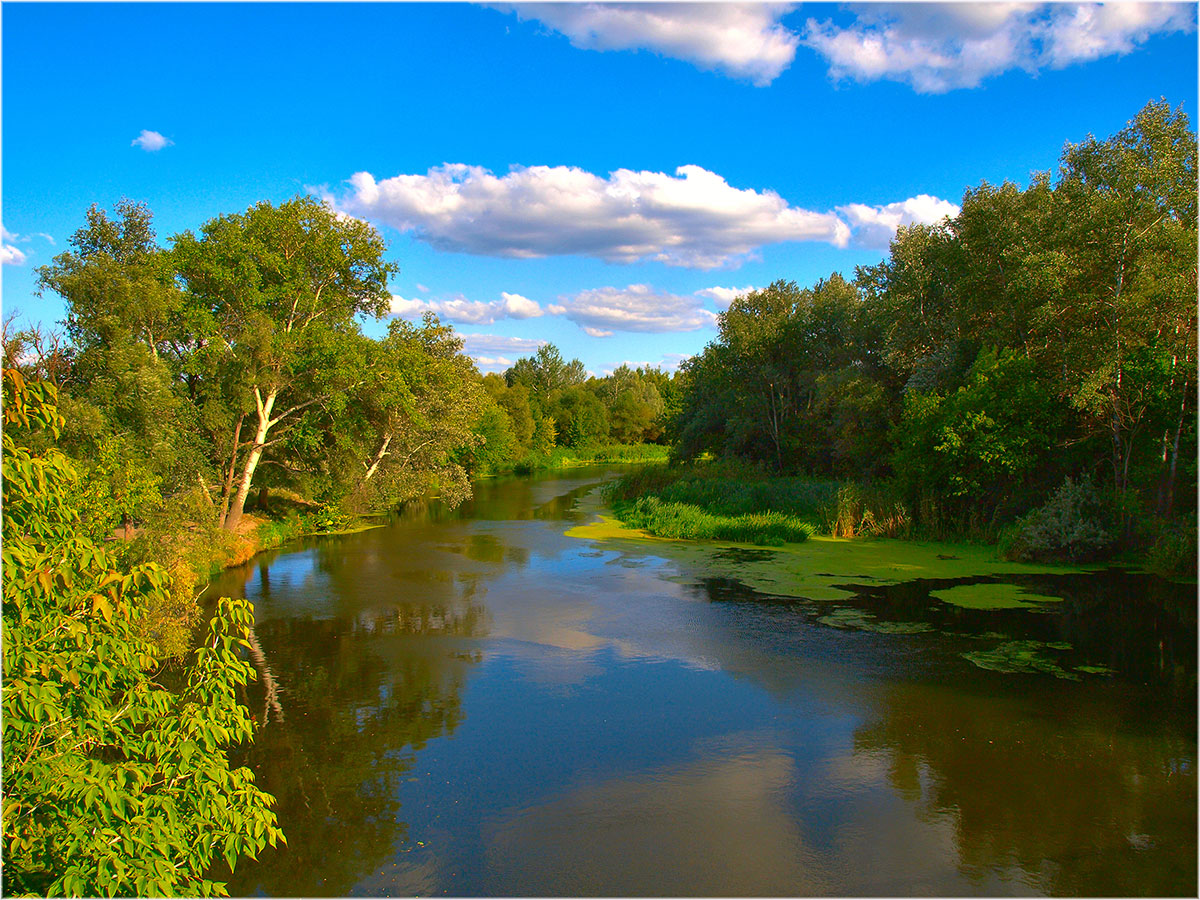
(472, 702)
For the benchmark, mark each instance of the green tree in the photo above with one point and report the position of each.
(283, 284)
(1128, 213)
(130, 340)
(981, 453)
(113, 785)
(546, 372)
(424, 403)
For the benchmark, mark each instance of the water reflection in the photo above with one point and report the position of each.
(360, 701)
(719, 826)
(623, 723)
(1056, 786)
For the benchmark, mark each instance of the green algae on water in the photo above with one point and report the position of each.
(857, 619)
(821, 568)
(992, 595)
(1023, 657)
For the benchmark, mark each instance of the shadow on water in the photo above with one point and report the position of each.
(1055, 785)
(1136, 628)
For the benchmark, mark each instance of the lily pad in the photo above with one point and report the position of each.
(1095, 670)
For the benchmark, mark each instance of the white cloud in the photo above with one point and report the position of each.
(693, 218)
(875, 226)
(497, 343)
(1089, 31)
(723, 296)
(150, 141)
(743, 40)
(422, 288)
(10, 255)
(495, 352)
(638, 307)
(517, 307)
(471, 312)
(937, 47)
(493, 363)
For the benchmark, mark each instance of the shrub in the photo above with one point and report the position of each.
(1074, 525)
(1172, 551)
(113, 785)
(857, 510)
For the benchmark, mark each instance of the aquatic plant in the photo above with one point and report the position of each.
(1022, 657)
(991, 595)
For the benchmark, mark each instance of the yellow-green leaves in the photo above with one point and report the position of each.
(114, 785)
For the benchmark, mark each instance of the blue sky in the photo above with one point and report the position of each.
(604, 177)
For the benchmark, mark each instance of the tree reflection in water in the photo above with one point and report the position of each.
(1057, 786)
(362, 695)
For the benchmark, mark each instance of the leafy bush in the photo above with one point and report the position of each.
(1074, 525)
(1172, 550)
(113, 785)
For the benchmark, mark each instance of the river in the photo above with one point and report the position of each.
(473, 702)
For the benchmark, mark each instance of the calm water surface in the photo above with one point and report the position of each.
(472, 703)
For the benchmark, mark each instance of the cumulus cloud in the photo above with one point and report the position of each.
(150, 141)
(693, 218)
(875, 226)
(472, 312)
(742, 40)
(723, 296)
(493, 363)
(938, 47)
(11, 255)
(638, 307)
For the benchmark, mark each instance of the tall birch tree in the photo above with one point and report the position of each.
(282, 284)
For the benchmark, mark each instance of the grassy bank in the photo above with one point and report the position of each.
(565, 457)
(724, 500)
(730, 501)
(193, 548)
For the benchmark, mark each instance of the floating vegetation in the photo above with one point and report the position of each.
(810, 569)
(849, 617)
(1022, 657)
(990, 595)
(1096, 670)
(744, 554)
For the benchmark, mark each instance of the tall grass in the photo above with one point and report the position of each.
(683, 520)
(730, 490)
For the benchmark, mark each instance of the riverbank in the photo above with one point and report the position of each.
(815, 568)
(727, 500)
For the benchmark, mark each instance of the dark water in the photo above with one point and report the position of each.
(472, 703)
